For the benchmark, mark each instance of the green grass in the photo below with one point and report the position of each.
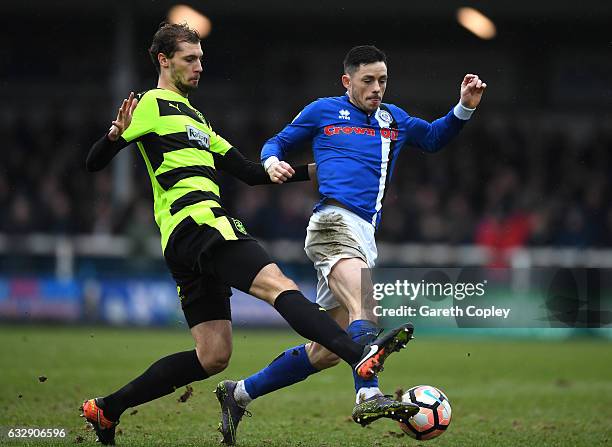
(503, 392)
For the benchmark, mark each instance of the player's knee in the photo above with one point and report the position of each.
(214, 362)
(217, 364)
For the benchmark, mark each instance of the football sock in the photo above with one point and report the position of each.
(313, 323)
(363, 332)
(290, 367)
(366, 393)
(162, 377)
(241, 396)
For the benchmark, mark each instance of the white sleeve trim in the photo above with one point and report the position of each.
(462, 112)
(270, 161)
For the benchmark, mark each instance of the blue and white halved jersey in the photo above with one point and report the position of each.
(356, 152)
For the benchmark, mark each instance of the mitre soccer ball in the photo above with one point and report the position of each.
(434, 415)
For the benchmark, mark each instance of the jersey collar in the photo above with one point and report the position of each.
(175, 96)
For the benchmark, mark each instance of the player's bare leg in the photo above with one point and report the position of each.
(213, 340)
(345, 281)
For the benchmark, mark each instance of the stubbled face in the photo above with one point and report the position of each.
(366, 86)
(185, 67)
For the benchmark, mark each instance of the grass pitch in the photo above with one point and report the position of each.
(503, 392)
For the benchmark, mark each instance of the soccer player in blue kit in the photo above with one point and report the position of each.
(356, 139)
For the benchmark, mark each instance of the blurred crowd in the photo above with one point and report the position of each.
(505, 181)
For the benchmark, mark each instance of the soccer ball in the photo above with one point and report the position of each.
(434, 415)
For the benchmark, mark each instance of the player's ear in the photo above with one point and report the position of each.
(163, 60)
(346, 80)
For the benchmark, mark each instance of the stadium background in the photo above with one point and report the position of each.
(526, 185)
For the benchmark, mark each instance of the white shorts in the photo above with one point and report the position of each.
(335, 233)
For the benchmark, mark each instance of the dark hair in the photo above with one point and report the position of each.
(167, 38)
(363, 54)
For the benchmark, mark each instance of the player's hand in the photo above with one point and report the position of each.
(472, 89)
(280, 172)
(124, 117)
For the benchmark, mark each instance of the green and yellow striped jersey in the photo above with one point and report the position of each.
(177, 145)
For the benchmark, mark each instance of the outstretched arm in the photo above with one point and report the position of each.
(103, 150)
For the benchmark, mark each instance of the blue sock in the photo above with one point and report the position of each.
(363, 332)
(292, 366)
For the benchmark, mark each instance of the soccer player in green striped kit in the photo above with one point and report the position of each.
(206, 250)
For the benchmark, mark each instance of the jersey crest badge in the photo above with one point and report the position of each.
(239, 226)
(385, 116)
(200, 115)
(197, 136)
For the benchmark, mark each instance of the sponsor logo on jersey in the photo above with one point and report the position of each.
(336, 130)
(391, 134)
(197, 136)
(344, 114)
